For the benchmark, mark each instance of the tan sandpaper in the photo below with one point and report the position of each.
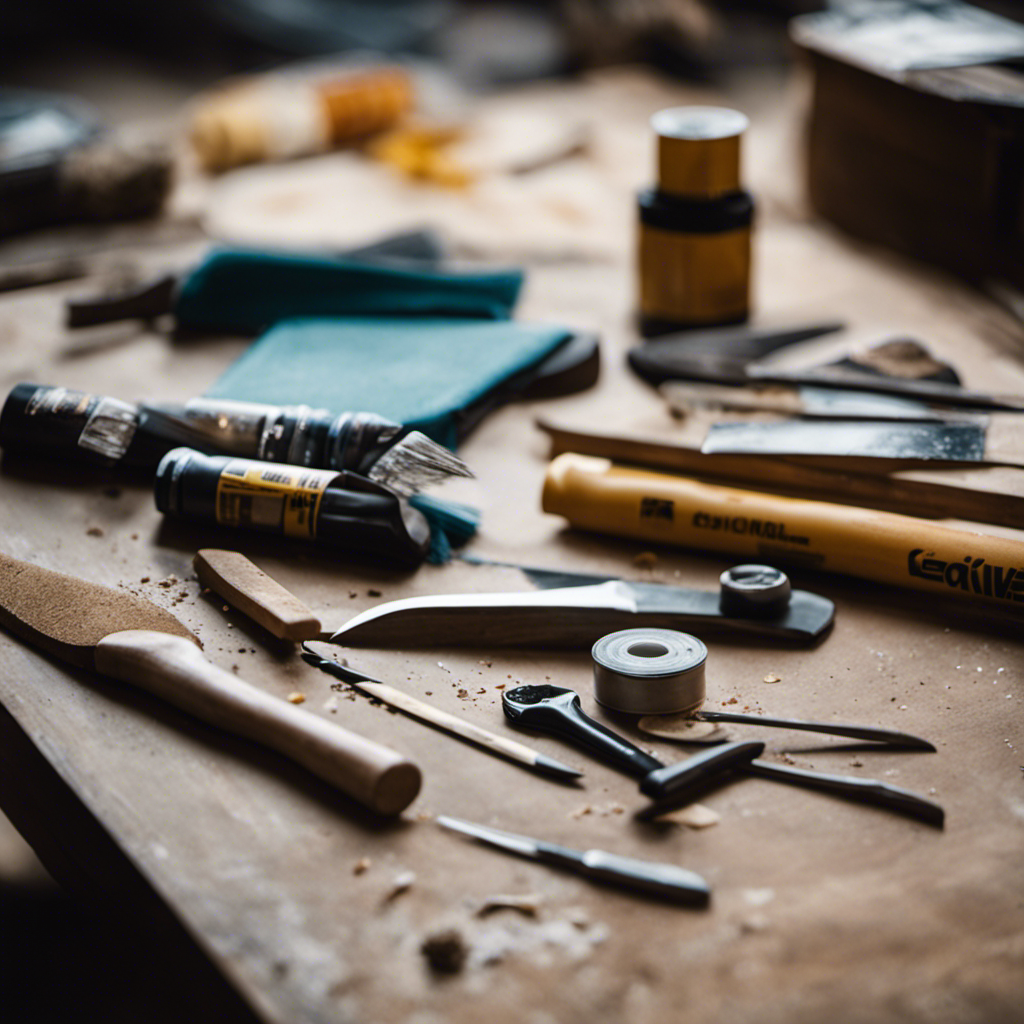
(68, 616)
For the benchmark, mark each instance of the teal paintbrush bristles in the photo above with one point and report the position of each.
(452, 524)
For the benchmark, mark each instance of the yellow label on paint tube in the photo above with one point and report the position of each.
(285, 499)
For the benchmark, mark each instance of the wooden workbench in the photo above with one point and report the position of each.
(821, 909)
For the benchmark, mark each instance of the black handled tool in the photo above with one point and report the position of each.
(890, 737)
(556, 709)
(666, 880)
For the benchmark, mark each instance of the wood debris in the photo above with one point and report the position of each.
(693, 816)
(445, 950)
(526, 903)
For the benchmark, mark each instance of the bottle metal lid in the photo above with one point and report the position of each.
(699, 150)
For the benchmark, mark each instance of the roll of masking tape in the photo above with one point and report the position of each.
(649, 671)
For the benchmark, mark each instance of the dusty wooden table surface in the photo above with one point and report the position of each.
(822, 909)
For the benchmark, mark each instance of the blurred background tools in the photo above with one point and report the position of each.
(916, 126)
(490, 741)
(557, 710)
(595, 494)
(565, 617)
(665, 880)
(135, 641)
(58, 165)
(302, 110)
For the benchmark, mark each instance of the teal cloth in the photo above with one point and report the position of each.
(417, 371)
(245, 291)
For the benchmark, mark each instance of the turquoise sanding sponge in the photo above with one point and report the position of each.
(247, 291)
(434, 375)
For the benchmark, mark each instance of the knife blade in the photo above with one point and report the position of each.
(659, 879)
(994, 440)
(570, 617)
(804, 401)
(132, 640)
(657, 366)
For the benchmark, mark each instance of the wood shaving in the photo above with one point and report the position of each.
(527, 904)
(682, 728)
(402, 882)
(693, 816)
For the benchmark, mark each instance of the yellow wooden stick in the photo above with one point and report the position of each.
(595, 494)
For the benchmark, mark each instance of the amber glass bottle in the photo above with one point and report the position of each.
(694, 238)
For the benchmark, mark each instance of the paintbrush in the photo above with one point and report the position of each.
(415, 708)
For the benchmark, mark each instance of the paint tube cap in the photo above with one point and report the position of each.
(699, 150)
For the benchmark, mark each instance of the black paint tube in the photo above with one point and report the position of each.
(339, 510)
(59, 423)
(295, 434)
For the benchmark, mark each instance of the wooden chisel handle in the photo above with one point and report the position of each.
(175, 669)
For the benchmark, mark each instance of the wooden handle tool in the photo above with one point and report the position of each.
(594, 494)
(415, 708)
(132, 640)
(244, 585)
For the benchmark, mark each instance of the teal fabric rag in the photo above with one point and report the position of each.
(246, 291)
(425, 373)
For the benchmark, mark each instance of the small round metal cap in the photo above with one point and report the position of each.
(759, 591)
(699, 150)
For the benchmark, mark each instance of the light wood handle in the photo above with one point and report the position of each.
(1004, 439)
(449, 722)
(595, 494)
(244, 585)
(175, 669)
